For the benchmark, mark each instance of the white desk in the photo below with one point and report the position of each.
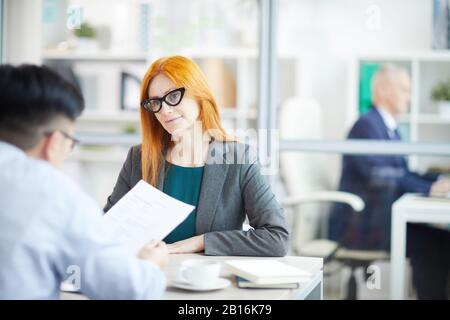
(311, 289)
(410, 208)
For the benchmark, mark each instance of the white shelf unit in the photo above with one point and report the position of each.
(101, 55)
(105, 68)
(423, 122)
(101, 72)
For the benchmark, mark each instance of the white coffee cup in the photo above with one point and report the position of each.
(199, 273)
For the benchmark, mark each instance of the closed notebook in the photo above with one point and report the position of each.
(267, 271)
(244, 283)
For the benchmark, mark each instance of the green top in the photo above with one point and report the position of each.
(183, 183)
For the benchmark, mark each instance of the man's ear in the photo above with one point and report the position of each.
(50, 146)
(385, 94)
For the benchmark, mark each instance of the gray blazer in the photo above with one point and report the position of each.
(230, 190)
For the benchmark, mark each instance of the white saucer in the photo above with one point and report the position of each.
(219, 284)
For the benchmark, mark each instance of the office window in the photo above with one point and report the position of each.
(334, 49)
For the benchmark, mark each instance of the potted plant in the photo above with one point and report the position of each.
(441, 95)
(86, 37)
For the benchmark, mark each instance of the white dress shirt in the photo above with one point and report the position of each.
(388, 120)
(51, 231)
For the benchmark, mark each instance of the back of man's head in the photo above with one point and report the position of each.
(32, 99)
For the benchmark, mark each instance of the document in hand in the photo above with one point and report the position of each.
(144, 214)
(261, 271)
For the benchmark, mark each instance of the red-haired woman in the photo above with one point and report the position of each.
(187, 154)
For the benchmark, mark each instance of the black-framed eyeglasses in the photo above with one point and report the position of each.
(73, 140)
(171, 98)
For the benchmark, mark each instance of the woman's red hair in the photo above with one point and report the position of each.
(183, 72)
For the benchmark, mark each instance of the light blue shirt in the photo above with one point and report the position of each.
(388, 120)
(51, 231)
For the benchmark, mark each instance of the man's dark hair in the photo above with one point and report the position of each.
(31, 99)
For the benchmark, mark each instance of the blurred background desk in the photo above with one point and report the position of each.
(309, 290)
(411, 208)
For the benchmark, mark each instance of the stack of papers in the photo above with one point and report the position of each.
(266, 272)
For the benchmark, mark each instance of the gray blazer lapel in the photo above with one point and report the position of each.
(211, 189)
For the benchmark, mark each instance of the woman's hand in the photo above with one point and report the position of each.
(190, 245)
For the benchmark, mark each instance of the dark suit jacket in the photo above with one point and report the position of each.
(379, 180)
(232, 187)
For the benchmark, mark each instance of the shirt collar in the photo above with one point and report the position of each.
(8, 148)
(387, 117)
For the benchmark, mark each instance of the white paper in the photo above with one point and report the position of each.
(146, 214)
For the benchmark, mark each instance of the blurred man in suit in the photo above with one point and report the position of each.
(380, 180)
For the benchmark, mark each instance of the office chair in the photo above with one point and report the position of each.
(306, 181)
